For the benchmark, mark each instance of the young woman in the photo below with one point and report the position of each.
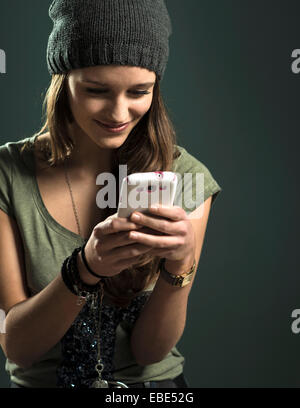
(87, 302)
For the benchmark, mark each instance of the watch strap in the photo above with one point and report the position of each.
(177, 280)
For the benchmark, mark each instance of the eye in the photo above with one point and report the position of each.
(100, 91)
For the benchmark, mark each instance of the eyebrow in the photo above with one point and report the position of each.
(147, 84)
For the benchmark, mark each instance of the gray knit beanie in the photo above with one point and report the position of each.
(103, 32)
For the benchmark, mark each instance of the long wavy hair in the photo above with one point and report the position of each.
(150, 146)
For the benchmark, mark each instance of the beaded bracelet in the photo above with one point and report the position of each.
(65, 274)
(71, 278)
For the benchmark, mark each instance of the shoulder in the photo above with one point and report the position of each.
(16, 167)
(187, 162)
(12, 149)
(196, 182)
(8, 154)
(15, 152)
(9, 162)
(11, 158)
(15, 162)
(185, 159)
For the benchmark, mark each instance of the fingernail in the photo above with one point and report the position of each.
(136, 217)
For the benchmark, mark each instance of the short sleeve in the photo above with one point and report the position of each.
(195, 182)
(5, 181)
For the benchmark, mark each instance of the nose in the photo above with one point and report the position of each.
(118, 111)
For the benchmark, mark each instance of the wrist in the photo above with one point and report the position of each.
(87, 266)
(179, 267)
(84, 274)
(72, 279)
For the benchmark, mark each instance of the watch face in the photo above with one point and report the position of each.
(187, 280)
(178, 280)
(182, 280)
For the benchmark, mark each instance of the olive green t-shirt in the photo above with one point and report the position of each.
(46, 245)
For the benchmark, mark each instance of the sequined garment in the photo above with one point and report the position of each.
(79, 344)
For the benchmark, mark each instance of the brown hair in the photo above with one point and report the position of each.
(149, 147)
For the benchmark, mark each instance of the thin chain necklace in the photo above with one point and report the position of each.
(99, 382)
(72, 198)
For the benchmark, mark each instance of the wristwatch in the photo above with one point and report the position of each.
(177, 280)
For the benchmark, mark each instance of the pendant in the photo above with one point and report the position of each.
(100, 383)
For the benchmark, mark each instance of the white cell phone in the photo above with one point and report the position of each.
(139, 191)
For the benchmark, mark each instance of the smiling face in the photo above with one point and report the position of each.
(110, 94)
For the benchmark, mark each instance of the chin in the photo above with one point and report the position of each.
(112, 142)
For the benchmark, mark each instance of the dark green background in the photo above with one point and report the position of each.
(234, 101)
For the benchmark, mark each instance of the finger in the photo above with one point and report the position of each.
(113, 225)
(122, 239)
(160, 242)
(109, 242)
(131, 251)
(161, 224)
(175, 212)
(150, 231)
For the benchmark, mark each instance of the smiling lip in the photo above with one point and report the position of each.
(113, 129)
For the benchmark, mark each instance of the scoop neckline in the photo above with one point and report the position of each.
(50, 221)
